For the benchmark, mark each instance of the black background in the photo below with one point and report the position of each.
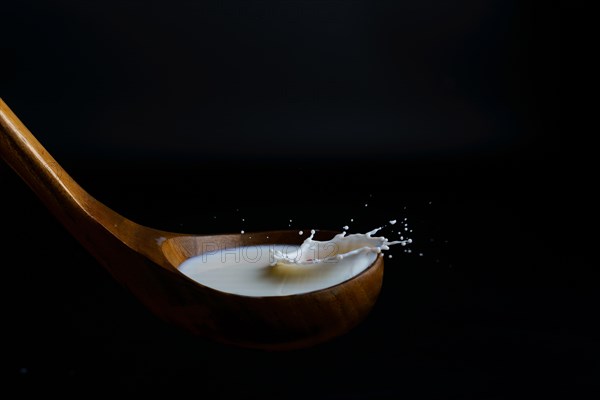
(189, 116)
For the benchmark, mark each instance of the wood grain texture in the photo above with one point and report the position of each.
(144, 260)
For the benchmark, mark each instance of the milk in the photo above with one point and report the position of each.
(282, 269)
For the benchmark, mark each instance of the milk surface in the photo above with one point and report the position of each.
(280, 269)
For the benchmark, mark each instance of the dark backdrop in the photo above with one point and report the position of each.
(191, 115)
(278, 79)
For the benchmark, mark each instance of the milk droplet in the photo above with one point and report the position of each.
(242, 232)
(366, 205)
(393, 221)
(300, 233)
(345, 227)
(351, 219)
(390, 256)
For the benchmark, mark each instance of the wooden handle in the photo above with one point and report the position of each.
(28, 158)
(86, 218)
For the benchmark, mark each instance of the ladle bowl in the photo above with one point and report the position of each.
(145, 260)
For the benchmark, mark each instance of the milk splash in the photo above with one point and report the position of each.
(340, 247)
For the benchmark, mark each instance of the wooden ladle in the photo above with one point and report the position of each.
(145, 261)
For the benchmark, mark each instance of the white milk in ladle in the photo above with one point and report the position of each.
(279, 269)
